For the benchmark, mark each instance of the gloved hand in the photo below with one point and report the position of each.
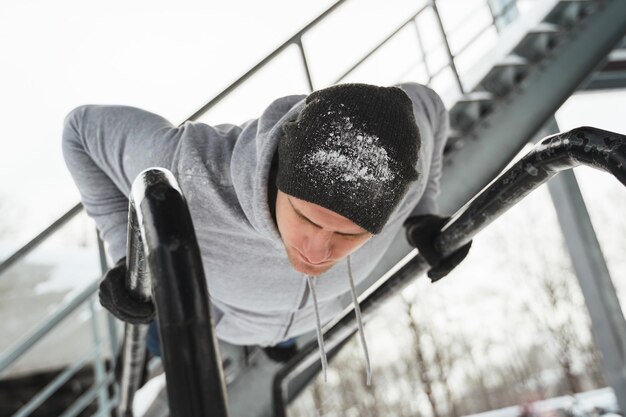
(421, 232)
(115, 297)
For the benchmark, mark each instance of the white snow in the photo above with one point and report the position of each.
(351, 155)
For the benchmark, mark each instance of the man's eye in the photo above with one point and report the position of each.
(350, 237)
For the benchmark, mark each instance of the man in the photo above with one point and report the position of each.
(317, 186)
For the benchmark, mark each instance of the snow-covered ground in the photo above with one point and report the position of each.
(33, 290)
(581, 404)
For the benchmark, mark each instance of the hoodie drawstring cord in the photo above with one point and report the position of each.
(359, 322)
(320, 337)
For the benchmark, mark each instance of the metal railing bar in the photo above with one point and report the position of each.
(589, 146)
(476, 36)
(27, 248)
(494, 18)
(54, 385)
(98, 367)
(138, 281)
(86, 399)
(466, 20)
(112, 326)
(473, 39)
(503, 13)
(440, 70)
(422, 51)
(263, 62)
(306, 64)
(23, 345)
(433, 3)
(380, 45)
(162, 247)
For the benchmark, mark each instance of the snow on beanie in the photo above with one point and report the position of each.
(353, 149)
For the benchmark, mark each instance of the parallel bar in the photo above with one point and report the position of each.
(133, 360)
(306, 64)
(98, 366)
(164, 252)
(257, 67)
(27, 248)
(584, 145)
(381, 44)
(420, 43)
(111, 321)
(433, 4)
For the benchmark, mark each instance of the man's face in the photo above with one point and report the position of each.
(315, 238)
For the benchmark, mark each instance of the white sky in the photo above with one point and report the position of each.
(166, 57)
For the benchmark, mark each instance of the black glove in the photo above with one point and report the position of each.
(115, 297)
(421, 232)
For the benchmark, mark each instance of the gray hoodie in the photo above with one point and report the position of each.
(223, 171)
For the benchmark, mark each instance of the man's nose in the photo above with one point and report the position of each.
(317, 246)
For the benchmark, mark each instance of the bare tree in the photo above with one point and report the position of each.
(421, 364)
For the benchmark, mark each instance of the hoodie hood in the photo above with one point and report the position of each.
(252, 160)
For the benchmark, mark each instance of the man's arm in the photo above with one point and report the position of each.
(428, 202)
(105, 148)
(428, 107)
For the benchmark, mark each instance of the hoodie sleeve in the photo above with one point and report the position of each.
(105, 148)
(428, 101)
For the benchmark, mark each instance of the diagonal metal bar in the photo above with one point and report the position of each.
(27, 248)
(24, 344)
(545, 88)
(381, 44)
(294, 39)
(581, 146)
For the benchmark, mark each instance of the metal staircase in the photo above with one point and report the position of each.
(541, 58)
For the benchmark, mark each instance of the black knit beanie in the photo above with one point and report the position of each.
(353, 149)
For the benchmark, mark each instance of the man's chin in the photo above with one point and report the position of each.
(308, 269)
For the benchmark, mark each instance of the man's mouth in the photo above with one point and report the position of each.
(307, 261)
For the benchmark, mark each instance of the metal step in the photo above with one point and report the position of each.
(568, 13)
(559, 56)
(470, 109)
(538, 42)
(508, 74)
(505, 75)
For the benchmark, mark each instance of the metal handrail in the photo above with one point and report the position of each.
(382, 43)
(164, 264)
(581, 146)
(36, 241)
(589, 146)
(295, 39)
